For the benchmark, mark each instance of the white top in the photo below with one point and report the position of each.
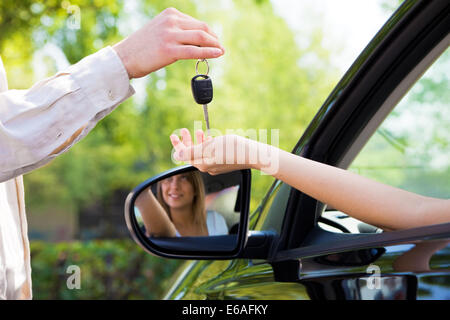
(35, 122)
(215, 223)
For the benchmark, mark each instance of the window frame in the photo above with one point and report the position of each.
(388, 106)
(391, 62)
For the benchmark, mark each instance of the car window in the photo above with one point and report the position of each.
(411, 148)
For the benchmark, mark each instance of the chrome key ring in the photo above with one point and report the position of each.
(207, 65)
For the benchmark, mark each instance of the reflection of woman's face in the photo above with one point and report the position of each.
(177, 191)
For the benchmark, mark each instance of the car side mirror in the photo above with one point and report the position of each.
(188, 214)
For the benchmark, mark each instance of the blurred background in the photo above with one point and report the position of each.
(283, 59)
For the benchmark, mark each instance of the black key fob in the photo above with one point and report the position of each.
(202, 89)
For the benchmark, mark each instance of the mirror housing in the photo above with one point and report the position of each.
(215, 247)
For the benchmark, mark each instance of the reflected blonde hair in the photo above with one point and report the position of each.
(198, 204)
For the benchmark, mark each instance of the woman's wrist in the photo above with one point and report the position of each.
(263, 157)
(252, 150)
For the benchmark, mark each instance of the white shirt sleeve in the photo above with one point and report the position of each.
(35, 122)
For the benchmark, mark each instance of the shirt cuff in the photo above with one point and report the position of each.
(103, 79)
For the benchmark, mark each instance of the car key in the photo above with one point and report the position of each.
(202, 91)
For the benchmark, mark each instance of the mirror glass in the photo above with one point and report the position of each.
(189, 204)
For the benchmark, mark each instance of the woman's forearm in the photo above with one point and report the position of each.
(364, 199)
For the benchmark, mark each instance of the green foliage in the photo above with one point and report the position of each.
(115, 269)
(29, 25)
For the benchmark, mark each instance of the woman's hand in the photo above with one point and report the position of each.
(169, 37)
(215, 155)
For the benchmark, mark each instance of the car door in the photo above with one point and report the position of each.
(324, 254)
(316, 253)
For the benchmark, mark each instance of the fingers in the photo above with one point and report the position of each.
(186, 137)
(195, 33)
(190, 23)
(194, 52)
(187, 22)
(198, 38)
(200, 136)
(186, 151)
(188, 38)
(187, 140)
(176, 142)
(193, 153)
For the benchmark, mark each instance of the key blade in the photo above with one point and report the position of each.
(205, 113)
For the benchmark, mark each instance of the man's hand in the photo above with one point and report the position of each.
(169, 37)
